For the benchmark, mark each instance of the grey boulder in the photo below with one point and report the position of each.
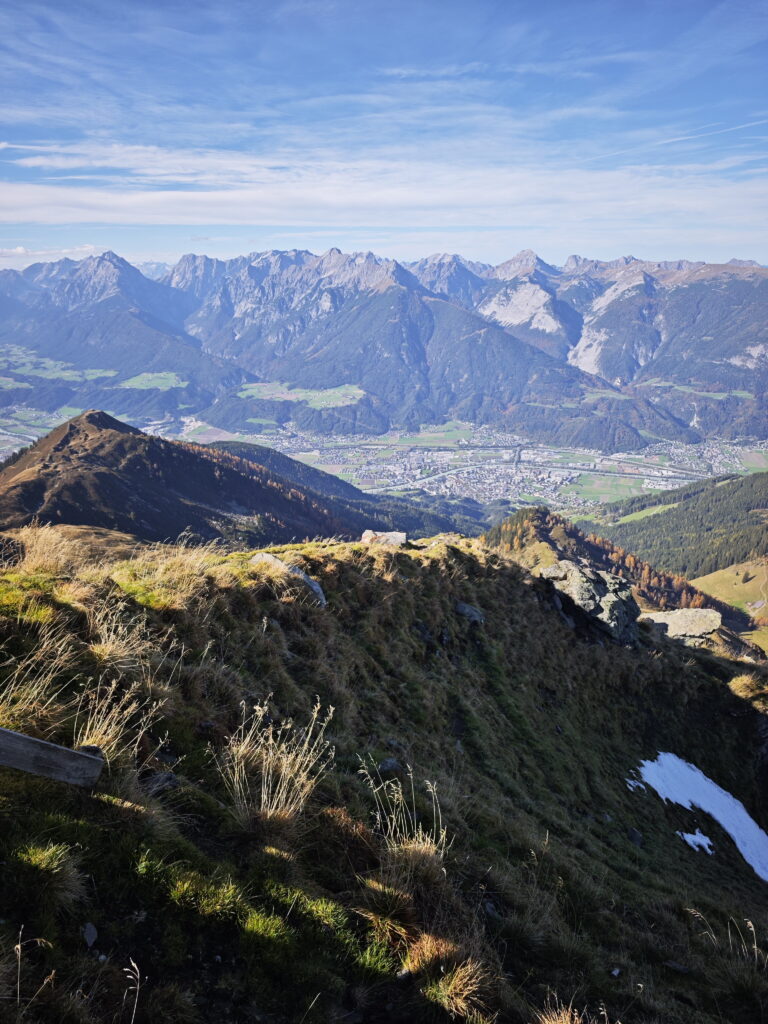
(606, 598)
(265, 558)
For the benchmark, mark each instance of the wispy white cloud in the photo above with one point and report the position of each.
(445, 71)
(323, 115)
(20, 256)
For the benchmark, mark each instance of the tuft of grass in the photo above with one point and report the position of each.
(32, 697)
(169, 575)
(114, 720)
(119, 642)
(413, 852)
(461, 989)
(270, 771)
(58, 875)
(44, 549)
(556, 1012)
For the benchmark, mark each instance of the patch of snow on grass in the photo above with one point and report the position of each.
(682, 783)
(697, 840)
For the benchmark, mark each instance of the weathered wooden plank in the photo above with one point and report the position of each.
(48, 759)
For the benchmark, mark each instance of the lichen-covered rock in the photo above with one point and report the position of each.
(392, 539)
(687, 622)
(606, 598)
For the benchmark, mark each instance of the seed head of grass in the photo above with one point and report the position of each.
(270, 771)
(114, 720)
(413, 851)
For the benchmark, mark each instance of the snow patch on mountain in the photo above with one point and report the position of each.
(697, 840)
(679, 782)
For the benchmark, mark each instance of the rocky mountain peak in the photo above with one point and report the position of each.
(524, 262)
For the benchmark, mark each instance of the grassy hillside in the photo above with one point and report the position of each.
(744, 585)
(697, 529)
(231, 866)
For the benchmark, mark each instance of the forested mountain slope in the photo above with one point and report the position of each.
(697, 530)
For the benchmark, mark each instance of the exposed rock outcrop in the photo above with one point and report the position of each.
(605, 598)
(393, 538)
(703, 627)
(687, 623)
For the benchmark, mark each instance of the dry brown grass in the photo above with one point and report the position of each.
(44, 549)
(170, 575)
(269, 770)
(32, 696)
(413, 853)
(119, 639)
(461, 990)
(114, 720)
(556, 1012)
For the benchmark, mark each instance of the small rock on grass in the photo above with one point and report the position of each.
(470, 612)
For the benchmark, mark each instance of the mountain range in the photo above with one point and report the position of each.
(601, 354)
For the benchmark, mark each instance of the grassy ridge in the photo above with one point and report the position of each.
(317, 913)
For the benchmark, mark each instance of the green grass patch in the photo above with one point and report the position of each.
(755, 461)
(440, 436)
(28, 363)
(718, 395)
(606, 488)
(593, 394)
(644, 513)
(759, 637)
(742, 585)
(156, 381)
(323, 398)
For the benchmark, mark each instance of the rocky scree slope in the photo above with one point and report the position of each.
(446, 656)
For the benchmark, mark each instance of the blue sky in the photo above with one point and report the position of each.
(479, 127)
